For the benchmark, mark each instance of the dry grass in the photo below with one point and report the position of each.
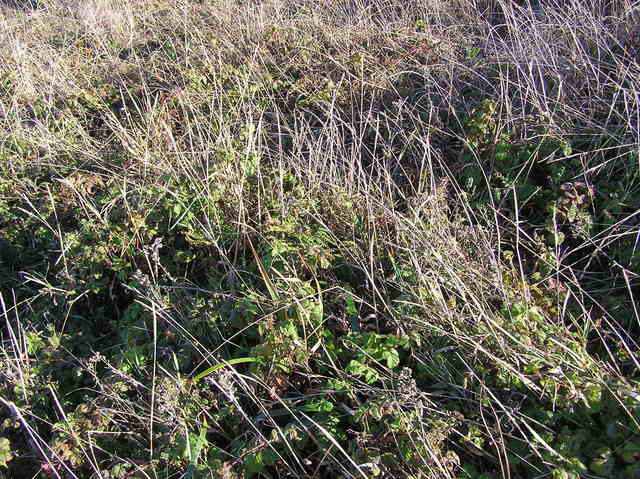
(365, 199)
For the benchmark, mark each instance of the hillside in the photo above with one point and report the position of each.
(309, 239)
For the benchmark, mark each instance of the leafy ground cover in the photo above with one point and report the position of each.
(284, 238)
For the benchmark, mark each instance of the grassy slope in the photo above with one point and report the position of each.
(414, 224)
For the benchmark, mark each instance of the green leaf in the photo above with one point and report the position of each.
(321, 405)
(359, 369)
(289, 329)
(5, 451)
(54, 341)
(255, 463)
(170, 50)
(631, 452)
(230, 362)
(392, 357)
(197, 443)
(350, 306)
(34, 342)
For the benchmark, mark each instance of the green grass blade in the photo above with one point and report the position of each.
(230, 362)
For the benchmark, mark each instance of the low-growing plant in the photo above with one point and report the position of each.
(319, 240)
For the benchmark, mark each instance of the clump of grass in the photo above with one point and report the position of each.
(353, 239)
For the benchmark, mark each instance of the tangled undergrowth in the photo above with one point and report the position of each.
(319, 239)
